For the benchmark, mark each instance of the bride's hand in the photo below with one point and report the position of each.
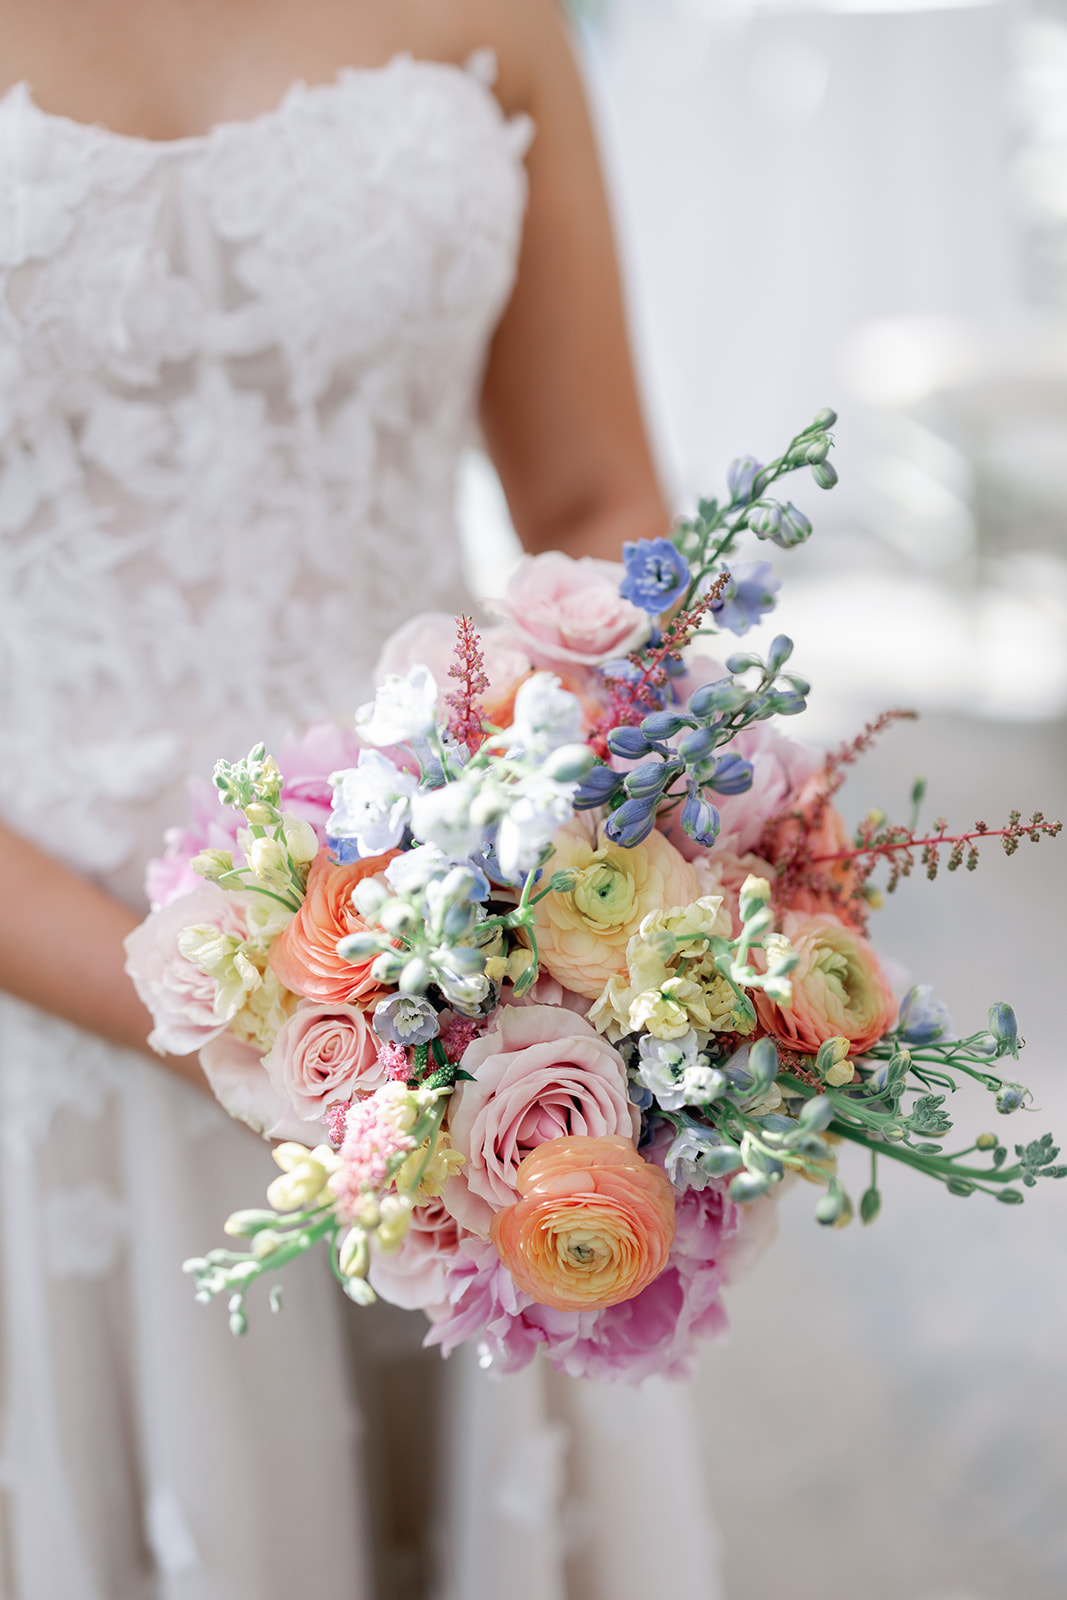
(61, 949)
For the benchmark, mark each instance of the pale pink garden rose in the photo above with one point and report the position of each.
(566, 613)
(180, 998)
(722, 873)
(415, 1276)
(839, 989)
(235, 1073)
(322, 1054)
(542, 1073)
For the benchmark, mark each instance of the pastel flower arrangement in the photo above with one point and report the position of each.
(551, 971)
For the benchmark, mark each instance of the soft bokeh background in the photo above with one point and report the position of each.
(865, 205)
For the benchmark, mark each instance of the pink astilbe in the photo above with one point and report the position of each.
(374, 1139)
(465, 717)
(394, 1061)
(457, 1034)
(334, 1120)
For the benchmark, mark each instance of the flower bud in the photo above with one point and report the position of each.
(398, 918)
(1004, 1028)
(700, 820)
(650, 778)
(663, 725)
(779, 653)
(632, 822)
(816, 1115)
(698, 745)
(825, 474)
(260, 815)
(817, 449)
(765, 519)
(723, 695)
(212, 864)
(732, 774)
(359, 947)
(749, 1186)
(825, 418)
(740, 478)
(987, 1141)
(599, 786)
(629, 743)
(796, 527)
(1010, 1096)
(353, 1255)
(368, 897)
(415, 977)
(300, 839)
(754, 893)
(569, 764)
(763, 1065)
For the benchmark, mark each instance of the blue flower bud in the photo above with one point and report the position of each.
(923, 1020)
(733, 775)
(663, 725)
(569, 763)
(695, 746)
(740, 477)
(632, 822)
(741, 662)
(630, 743)
(1004, 1028)
(1010, 1096)
(700, 820)
(649, 779)
(724, 695)
(826, 418)
(598, 787)
(779, 653)
(763, 1065)
(825, 474)
(795, 528)
(765, 519)
(788, 705)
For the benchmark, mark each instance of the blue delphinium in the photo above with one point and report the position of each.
(657, 574)
(751, 592)
(924, 1020)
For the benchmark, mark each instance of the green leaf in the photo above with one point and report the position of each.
(927, 1116)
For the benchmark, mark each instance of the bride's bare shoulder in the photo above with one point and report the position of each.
(528, 37)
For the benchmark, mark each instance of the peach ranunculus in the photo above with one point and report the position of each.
(582, 934)
(305, 955)
(430, 640)
(322, 1054)
(839, 989)
(833, 887)
(593, 1227)
(565, 612)
(541, 1073)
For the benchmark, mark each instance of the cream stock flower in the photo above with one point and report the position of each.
(305, 1175)
(582, 934)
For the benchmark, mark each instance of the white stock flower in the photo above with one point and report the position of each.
(442, 817)
(539, 807)
(403, 709)
(371, 803)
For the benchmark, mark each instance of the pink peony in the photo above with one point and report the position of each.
(570, 613)
(180, 998)
(323, 1053)
(414, 1276)
(656, 1333)
(305, 762)
(542, 1073)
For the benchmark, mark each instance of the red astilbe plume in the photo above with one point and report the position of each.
(465, 715)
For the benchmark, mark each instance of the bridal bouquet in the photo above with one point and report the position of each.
(550, 973)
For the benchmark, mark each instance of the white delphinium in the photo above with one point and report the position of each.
(371, 803)
(404, 709)
(546, 717)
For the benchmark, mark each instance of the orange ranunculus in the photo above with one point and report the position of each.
(305, 957)
(594, 1226)
(839, 989)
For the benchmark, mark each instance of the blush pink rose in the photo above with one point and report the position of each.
(321, 1054)
(235, 1072)
(839, 989)
(415, 1276)
(570, 613)
(541, 1074)
(180, 998)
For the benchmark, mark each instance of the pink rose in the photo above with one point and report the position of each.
(234, 1071)
(179, 996)
(321, 1054)
(415, 1275)
(542, 1073)
(566, 612)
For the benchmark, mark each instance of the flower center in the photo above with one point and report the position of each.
(604, 893)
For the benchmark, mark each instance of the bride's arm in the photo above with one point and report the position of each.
(560, 409)
(61, 949)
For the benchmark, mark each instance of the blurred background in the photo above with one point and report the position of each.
(864, 204)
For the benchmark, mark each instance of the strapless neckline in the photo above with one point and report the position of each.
(480, 70)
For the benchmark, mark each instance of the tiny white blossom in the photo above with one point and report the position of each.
(403, 709)
(546, 717)
(443, 817)
(539, 808)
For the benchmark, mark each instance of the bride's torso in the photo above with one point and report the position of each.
(236, 374)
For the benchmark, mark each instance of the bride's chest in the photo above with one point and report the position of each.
(361, 224)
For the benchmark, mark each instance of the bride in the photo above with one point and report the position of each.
(264, 265)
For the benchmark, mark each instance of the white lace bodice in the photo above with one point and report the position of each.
(236, 373)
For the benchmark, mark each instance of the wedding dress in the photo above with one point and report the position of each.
(236, 375)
